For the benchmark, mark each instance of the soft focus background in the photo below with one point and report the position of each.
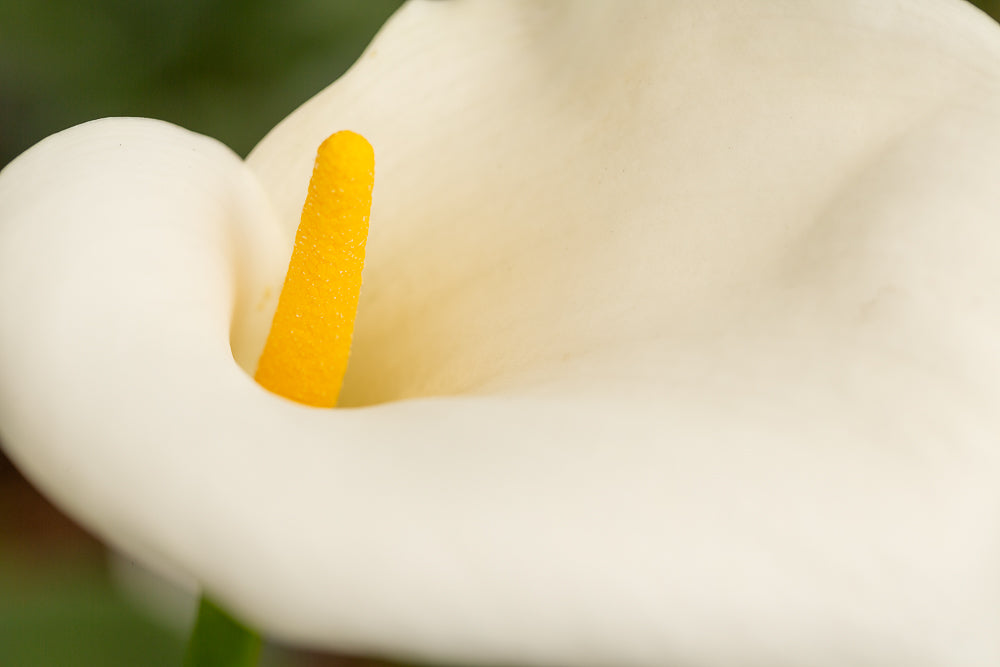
(230, 69)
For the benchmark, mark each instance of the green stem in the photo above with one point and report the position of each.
(219, 640)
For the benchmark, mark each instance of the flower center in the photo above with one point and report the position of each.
(305, 356)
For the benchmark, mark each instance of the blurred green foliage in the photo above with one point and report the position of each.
(68, 614)
(230, 69)
(992, 7)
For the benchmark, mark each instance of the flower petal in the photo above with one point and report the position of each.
(704, 297)
(606, 172)
(121, 240)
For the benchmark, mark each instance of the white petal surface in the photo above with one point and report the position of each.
(695, 301)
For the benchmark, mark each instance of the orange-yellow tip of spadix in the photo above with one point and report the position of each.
(305, 356)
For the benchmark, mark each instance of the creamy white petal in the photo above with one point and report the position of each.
(696, 301)
(613, 170)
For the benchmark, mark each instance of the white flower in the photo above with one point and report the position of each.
(694, 303)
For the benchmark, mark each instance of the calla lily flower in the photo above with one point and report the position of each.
(677, 344)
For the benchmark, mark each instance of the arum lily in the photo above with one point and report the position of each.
(677, 342)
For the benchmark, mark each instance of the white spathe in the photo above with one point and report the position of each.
(694, 303)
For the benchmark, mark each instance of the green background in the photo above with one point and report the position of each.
(230, 69)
